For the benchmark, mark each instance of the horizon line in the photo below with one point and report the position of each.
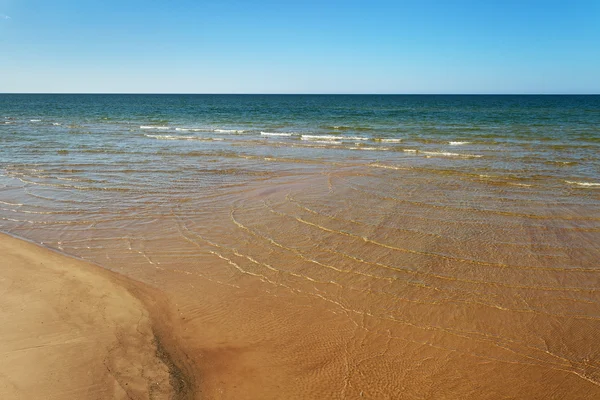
(308, 94)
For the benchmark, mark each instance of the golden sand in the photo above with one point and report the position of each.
(359, 283)
(71, 330)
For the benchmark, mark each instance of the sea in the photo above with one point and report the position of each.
(333, 246)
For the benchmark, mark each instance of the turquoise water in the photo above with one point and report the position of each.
(552, 138)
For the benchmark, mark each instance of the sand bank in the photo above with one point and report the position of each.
(71, 330)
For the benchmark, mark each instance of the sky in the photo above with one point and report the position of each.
(291, 46)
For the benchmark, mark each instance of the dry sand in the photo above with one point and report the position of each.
(71, 330)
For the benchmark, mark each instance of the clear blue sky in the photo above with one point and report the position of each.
(289, 46)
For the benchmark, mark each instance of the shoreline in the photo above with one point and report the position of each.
(75, 329)
(317, 248)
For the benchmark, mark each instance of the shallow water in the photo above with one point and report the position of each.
(334, 246)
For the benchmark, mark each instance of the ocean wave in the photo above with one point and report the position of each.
(457, 143)
(276, 134)
(326, 142)
(169, 137)
(165, 128)
(354, 138)
(387, 140)
(229, 130)
(369, 148)
(387, 166)
(35, 120)
(348, 127)
(332, 137)
(321, 137)
(584, 184)
(448, 154)
(193, 129)
(173, 137)
(184, 129)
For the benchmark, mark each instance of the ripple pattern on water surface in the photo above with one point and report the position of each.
(451, 262)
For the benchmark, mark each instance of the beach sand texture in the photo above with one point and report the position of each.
(71, 330)
(311, 306)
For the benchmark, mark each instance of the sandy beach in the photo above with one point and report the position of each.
(71, 330)
(336, 200)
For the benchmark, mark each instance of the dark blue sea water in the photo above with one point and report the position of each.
(524, 137)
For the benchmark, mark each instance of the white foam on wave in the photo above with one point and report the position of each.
(584, 184)
(457, 143)
(354, 138)
(391, 140)
(369, 148)
(332, 137)
(326, 142)
(321, 137)
(35, 120)
(173, 137)
(448, 154)
(387, 166)
(56, 124)
(409, 150)
(276, 134)
(169, 137)
(193, 129)
(164, 128)
(229, 130)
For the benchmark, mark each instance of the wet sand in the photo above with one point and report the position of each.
(72, 330)
(354, 284)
